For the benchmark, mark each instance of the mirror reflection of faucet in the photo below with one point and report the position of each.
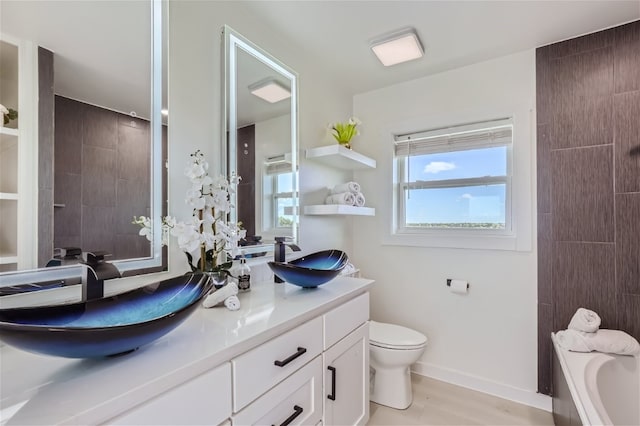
(94, 273)
(279, 253)
(65, 256)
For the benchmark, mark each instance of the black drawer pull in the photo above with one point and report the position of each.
(297, 411)
(291, 358)
(332, 396)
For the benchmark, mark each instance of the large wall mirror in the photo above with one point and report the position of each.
(260, 141)
(89, 82)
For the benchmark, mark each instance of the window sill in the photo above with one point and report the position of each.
(458, 240)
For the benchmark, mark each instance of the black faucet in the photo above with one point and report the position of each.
(278, 253)
(94, 273)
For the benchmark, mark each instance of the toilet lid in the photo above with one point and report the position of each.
(395, 336)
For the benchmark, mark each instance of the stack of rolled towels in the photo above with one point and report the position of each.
(346, 193)
(584, 335)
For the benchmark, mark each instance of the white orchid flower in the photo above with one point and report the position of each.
(3, 109)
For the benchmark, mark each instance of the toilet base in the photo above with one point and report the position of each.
(392, 387)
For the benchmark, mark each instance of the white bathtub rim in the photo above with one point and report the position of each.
(575, 377)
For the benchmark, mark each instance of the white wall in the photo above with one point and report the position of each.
(486, 339)
(195, 102)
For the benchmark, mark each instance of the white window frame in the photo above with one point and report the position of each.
(517, 235)
(438, 141)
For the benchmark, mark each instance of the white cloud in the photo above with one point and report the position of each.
(467, 196)
(438, 166)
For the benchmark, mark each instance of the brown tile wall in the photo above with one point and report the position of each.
(102, 173)
(45, 156)
(588, 109)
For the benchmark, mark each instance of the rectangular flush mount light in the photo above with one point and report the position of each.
(399, 46)
(270, 90)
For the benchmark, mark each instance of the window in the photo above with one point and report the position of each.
(455, 179)
(278, 206)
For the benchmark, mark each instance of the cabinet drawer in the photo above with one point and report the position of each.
(344, 319)
(298, 399)
(203, 400)
(261, 368)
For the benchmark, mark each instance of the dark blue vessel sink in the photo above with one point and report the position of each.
(311, 270)
(108, 326)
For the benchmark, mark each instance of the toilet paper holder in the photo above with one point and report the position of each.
(449, 283)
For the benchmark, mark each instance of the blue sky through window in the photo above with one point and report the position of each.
(458, 205)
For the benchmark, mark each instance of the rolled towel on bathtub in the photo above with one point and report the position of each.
(606, 341)
(585, 320)
(347, 198)
(359, 200)
(346, 187)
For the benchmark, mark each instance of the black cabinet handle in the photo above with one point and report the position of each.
(297, 410)
(332, 396)
(291, 358)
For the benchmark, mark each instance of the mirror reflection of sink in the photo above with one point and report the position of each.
(109, 326)
(312, 270)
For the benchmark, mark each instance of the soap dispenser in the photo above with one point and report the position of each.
(244, 276)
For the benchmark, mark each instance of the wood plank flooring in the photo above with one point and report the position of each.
(440, 403)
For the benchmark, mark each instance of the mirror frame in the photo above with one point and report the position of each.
(232, 41)
(127, 267)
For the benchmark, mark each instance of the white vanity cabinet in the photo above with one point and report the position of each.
(333, 387)
(267, 363)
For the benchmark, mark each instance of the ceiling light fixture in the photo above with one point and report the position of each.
(397, 47)
(270, 90)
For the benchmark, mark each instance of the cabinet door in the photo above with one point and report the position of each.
(203, 400)
(346, 379)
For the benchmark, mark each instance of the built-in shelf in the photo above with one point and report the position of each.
(5, 260)
(340, 157)
(8, 196)
(338, 209)
(8, 132)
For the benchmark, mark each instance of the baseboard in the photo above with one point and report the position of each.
(532, 399)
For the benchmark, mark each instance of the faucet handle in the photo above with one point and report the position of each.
(94, 258)
(282, 239)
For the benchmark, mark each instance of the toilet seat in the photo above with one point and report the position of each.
(391, 336)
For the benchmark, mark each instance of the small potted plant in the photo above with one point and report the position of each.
(343, 132)
(8, 114)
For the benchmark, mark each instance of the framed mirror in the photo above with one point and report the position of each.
(260, 142)
(88, 80)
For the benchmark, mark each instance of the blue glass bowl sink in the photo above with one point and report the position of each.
(311, 270)
(109, 326)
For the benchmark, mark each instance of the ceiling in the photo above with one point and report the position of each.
(454, 34)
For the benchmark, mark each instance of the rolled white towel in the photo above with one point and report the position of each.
(232, 303)
(347, 198)
(359, 202)
(606, 341)
(220, 295)
(346, 187)
(585, 320)
(572, 340)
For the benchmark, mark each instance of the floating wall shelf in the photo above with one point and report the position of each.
(339, 209)
(9, 132)
(340, 157)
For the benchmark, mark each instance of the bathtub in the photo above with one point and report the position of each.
(604, 388)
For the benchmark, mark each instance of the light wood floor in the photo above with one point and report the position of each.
(440, 403)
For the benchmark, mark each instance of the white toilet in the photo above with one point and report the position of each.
(393, 349)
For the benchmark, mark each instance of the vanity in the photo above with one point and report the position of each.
(288, 356)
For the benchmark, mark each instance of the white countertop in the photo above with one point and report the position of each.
(38, 389)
